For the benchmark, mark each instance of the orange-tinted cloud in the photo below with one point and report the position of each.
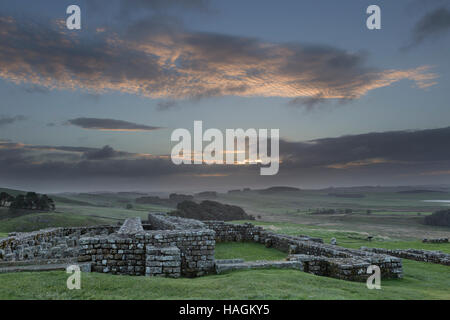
(181, 64)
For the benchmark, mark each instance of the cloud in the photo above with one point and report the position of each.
(5, 120)
(411, 146)
(158, 5)
(156, 59)
(392, 157)
(434, 24)
(110, 125)
(124, 8)
(104, 153)
(165, 105)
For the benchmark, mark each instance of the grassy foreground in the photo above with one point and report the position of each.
(421, 281)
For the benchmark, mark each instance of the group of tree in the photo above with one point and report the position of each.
(29, 201)
(332, 211)
(439, 218)
(210, 210)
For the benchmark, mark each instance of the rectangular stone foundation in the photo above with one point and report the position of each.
(316, 257)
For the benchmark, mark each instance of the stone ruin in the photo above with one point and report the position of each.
(437, 240)
(171, 246)
(415, 254)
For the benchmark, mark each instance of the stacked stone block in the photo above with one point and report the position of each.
(163, 261)
(126, 253)
(321, 259)
(52, 243)
(414, 254)
(113, 255)
(437, 240)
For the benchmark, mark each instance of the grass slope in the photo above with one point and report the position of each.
(36, 221)
(421, 281)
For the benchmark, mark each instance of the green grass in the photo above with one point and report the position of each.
(421, 281)
(3, 235)
(36, 221)
(247, 251)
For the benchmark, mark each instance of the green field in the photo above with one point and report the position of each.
(42, 220)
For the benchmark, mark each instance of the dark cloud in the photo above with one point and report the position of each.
(36, 89)
(156, 61)
(104, 153)
(308, 102)
(434, 24)
(5, 120)
(393, 157)
(392, 146)
(165, 105)
(110, 125)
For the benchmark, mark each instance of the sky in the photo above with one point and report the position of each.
(94, 109)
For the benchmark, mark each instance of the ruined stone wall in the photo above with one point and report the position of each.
(226, 232)
(128, 255)
(52, 243)
(165, 262)
(414, 254)
(162, 221)
(322, 259)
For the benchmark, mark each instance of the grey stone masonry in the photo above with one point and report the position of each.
(391, 267)
(414, 254)
(229, 266)
(52, 243)
(341, 268)
(162, 221)
(131, 226)
(163, 261)
(131, 253)
(437, 240)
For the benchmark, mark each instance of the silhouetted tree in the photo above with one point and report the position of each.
(32, 201)
(4, 197)
(18, 202)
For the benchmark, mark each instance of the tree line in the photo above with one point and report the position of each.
(29, 201)
(439, 218)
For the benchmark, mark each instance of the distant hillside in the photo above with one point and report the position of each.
(421, 191)
(210, 210)
(207, 194)
(279, 189)
(13, 192)
(347, 195)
